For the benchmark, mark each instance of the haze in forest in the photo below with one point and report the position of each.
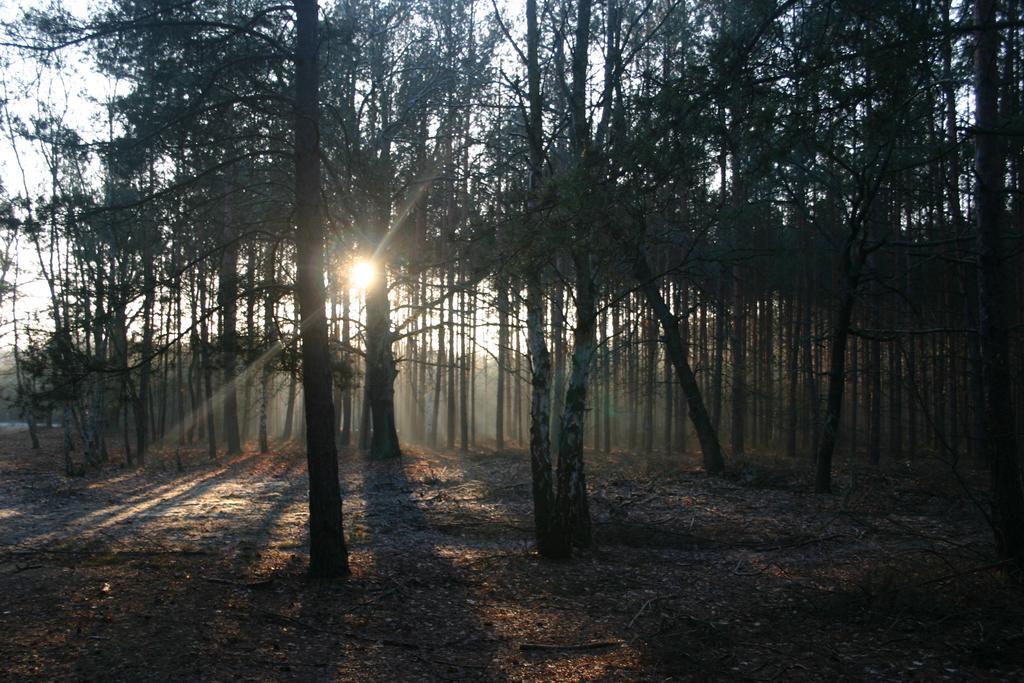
(591, 245)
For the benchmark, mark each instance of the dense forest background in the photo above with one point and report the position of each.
(786, 227)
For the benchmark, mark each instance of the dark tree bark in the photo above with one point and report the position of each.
(435, 418)
(142, 402)
(540, 358)
(271, 342)
(721, 316)
(875, 411)
(989, 158)
(463, 380)
(558, 350)
(380, 371)
(851, 262)
(540, 419)
(328, 556)
(739, 372)
(211, 432)
(499, 413)
(714, 463)
(450, 369)
(573, 511)
(227, 298)
(792, 407)
(650, 365)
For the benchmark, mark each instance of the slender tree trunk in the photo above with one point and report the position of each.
(435, 420)
(875, 417)
(739, 377)
(472, 375)
(651, 361)
(792, 404)
(227, 298)
(211, 432)
(540, 419)
(463, 379)
(346, 392)
(271, 343)
(558, 333)
(145, 362)
(810, 375)
(499, 424)
(606, 408)
(850, 267)
(854, 396)
(684, 337)
(449, 369)
(714, 463)
(179, 372)
(720, 331)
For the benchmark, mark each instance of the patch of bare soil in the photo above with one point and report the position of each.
(163, 574)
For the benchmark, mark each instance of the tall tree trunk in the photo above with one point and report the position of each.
(558, 350)
(435, 418)
(179, 370)
(720, 331)
(854, 396)
(650, 364)
(739, 374)
(271, 344)
(499, 413)
(573, 513)
(227, 298)
(875, 413)
(792, 403)
(989, 158)
(145, 362)
(211, 431)
(463, 379)
(328, 556)
(450, 414)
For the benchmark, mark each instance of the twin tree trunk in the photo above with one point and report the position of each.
(572, 515)
(328, 556)
(540, 359)
(561, 515)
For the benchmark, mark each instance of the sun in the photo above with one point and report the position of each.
(362, 274)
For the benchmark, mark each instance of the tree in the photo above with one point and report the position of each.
(328, 556)
(1007, 511)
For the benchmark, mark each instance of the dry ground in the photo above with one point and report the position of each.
(198, 575)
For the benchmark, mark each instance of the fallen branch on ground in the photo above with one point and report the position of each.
(595, 645)
(262, 583)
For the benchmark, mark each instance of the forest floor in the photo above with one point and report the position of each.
(198, 574)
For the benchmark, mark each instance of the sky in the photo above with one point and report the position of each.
(74, 92)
